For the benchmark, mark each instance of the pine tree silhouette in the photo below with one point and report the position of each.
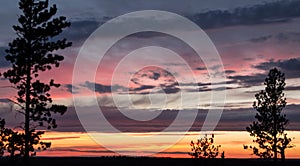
(269, 127)
(30, 54)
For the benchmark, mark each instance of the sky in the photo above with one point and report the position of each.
(148, 81)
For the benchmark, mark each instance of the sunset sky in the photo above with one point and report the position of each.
(139, 85)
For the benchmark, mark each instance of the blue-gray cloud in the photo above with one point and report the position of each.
(200, 68)
(229, 119)
(164, 80)
(100, 88)
(79, 31)
(71, 88)
(3, 62)
(292, 88)
(142, 87)
(283, 37)
(273, 12)
(4, 100)
(248, 80)
(229, 72)
(261, 39)
(291, 67)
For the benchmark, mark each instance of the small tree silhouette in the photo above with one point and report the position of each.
(7, 141)
(204, 148)
(284, 143)
(2, 135)
(269, 128)
(31, 53)
(13, 141)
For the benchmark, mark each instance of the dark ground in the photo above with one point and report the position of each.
(131, 161)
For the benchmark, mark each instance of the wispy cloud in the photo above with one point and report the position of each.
(230, 117)
(283, 37)
(61, 138)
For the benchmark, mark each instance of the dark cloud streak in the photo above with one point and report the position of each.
(100, 88)
(291, 67)
(248, 80)
(71, 88)
(273, 12)
(283, 37)
(79, 31)
(3, 62)
(229, 120)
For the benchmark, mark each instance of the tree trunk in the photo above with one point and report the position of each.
(12, 146)
(282, 155)
(275, 134)
(275, 149)
(28, 86)
(27, 111)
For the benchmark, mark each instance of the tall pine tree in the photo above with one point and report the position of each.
(31, 53)
(270, 125)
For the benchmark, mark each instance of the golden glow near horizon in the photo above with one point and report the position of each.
(80, 144)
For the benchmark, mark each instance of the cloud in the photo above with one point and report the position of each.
(162, 82)
(100, 88)
(288, 36)
(61, 138)
(77, 149)
(200, 68)
(273, 12)
(3, 62)
(4, 100)
(283, 37)
(292, 88)
(79, 31)
(208, 88)
(230, 71)
(155, 76)
(71, 88)
(143, 87)
(169, 90)
(82, 28)
(248, 80)
(261, 39)
(204, 87)
(147, 34)
(154, 80)
(229, 120)
(291, 67)
(248, 59)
